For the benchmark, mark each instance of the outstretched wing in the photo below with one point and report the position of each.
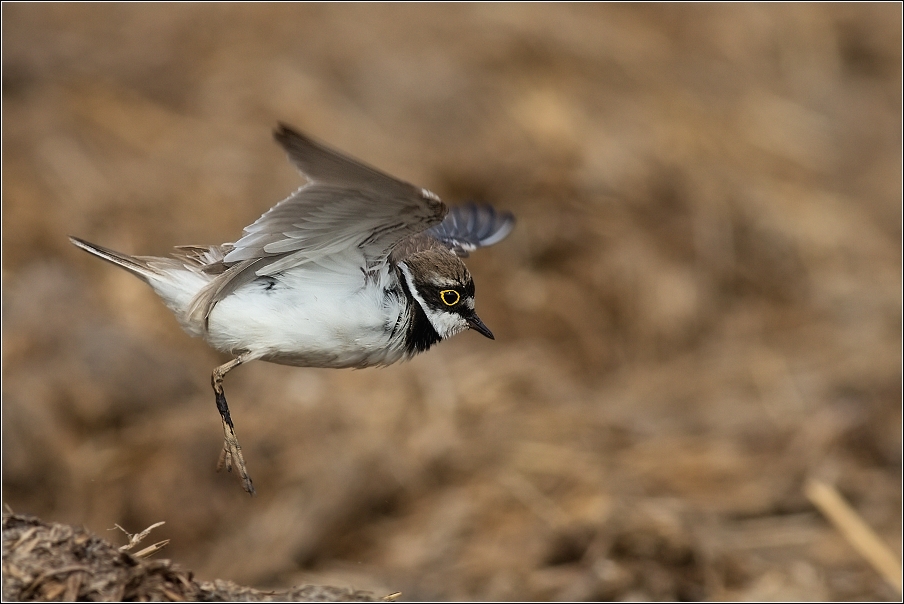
(348, 211)
(471, 226)
(345, 204)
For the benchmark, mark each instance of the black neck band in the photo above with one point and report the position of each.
(421, 335)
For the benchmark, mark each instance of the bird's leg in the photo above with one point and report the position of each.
(232, 451)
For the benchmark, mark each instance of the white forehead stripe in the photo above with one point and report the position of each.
(444, 283)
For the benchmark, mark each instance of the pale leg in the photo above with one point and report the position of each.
(232, 451)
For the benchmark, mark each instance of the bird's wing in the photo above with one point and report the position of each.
(345, 207)
(345, 204)
(472, 226)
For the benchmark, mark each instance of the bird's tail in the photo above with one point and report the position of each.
(137, 266)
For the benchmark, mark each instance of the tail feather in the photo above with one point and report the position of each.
(137, 266)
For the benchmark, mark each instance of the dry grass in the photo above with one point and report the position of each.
(699, 308)
(58, 563)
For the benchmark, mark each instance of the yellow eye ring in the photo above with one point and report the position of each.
(450, 297)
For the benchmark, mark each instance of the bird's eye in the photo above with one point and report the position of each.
(450, 297)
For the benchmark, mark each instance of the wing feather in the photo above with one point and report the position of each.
(348, 213)
(345, 204)
(472, 226)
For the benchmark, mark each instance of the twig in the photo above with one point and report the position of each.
(853, 528)
(152, 549)
(138, 537)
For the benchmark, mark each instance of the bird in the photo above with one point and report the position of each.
(354, 269)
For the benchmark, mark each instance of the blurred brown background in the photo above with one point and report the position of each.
(699, 308)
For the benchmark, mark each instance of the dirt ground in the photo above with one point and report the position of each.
(699, 309)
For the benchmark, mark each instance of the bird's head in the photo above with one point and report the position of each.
(440, 283)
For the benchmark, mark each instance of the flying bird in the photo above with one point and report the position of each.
(354, 269)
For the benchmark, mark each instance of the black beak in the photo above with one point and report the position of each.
(477, 325)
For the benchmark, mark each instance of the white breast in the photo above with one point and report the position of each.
(312, 318)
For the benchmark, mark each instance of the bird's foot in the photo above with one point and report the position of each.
(231, 456)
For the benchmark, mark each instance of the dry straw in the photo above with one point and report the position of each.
(861, 537)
